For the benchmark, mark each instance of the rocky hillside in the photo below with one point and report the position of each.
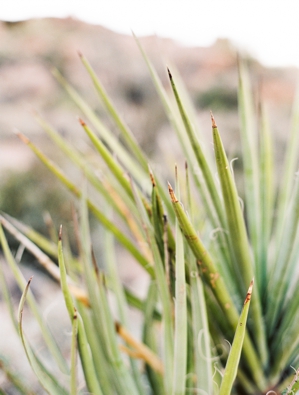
(30, 49)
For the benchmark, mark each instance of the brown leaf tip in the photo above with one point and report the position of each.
(169, 73)
(213, 121)
(153, 181)
(75, 315)
(60, 233)
(82, 122)
(117, 326)
(23, 138)
(80, 54)
(249, 292)
(165, 220)
(172, 195)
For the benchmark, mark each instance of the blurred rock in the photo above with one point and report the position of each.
(28, 51)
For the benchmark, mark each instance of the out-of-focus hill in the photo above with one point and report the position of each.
(30, 49)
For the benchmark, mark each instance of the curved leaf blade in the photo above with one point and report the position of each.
(235, 352)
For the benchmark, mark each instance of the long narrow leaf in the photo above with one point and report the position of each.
(238, 235)
(94, 347)
(43, 259)
(201, 333)
(289, 169)
(119, 292)
(48, 338)
(250, 162)
(235, 352)
(109, 138)
(167, 318)
(205, 184)
(73, 378)
(48, 246)
(218, 287)
(150, 337)
(267, 196)
(200, 157)
(281, 278)
(180, 327)
(126, 132)
(79, 160)
(101, 310)
(108, 158)
(178, 126)
(86, 357)
(47, 380)
(96, 212)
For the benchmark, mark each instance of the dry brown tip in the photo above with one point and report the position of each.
(75, 316)
(23, 138)
(172, 195)
(249, 292)
(117, 326)
(153, 181)
(82, 122)
(169, 73)
(213, 121)
(165, 220)
(60, 233)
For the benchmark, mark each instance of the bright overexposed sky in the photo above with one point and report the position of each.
(269, 30)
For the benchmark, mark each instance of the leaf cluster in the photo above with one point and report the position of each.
(192, 240)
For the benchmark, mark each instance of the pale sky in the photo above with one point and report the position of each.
(269, 30)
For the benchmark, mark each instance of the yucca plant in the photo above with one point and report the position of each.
(205, 253)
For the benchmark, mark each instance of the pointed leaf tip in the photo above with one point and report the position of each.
(249, 292)
(117, 326)
(153, 181)
(169, 73)
(22, 302)
(82, 122)
(213, 121)
(60, 233)
(171, 193)
(23, 138)
(80, 54)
